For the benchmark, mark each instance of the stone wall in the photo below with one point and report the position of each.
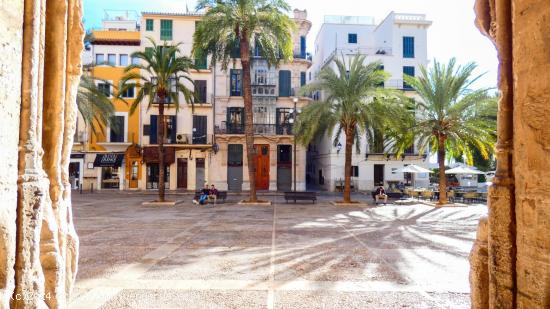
(39, 74)
(511, 257)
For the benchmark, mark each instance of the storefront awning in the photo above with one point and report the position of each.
(108, 160)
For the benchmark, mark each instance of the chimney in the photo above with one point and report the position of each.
(300, 14)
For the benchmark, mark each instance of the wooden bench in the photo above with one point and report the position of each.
(221, 197)
(300, 196)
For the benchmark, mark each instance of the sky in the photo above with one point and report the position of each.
(452, 33)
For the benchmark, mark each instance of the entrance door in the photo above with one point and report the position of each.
(199, 130)
(235, 167)
(74, 174)
(134, 174)
(284, 167)
(379, 174)
(182, 173)
(262, 167)
(199, 179)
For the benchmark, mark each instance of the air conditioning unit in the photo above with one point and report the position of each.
(181, 139)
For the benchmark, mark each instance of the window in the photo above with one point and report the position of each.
(200, 89)
(235, 120)
(153, 176)
(284, 83)
(111, 59)
(407, 70)
(257, 49)
(381, 68)
(302, 78)
(200, 61)
(170, 127)
(99, 59)
(354, 171)
(283, 116)
(236, 82)
(148, 25)
(236, 50)
(352, 38)
(116, 128)
(105, 88)
(129, 92)
(408, 47)
(123, 60)
(135, 60)
(166, 29)
(303, 47)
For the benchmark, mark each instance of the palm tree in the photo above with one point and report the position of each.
(93, 104)
(354, 104)
(237, 24)
(160, 78)
(452, 119)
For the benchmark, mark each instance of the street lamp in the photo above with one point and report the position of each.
(295, 113)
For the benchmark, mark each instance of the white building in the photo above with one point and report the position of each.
(400, 43)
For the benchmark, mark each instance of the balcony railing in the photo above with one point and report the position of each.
(262, 129)
(194, 139)
(307, 56)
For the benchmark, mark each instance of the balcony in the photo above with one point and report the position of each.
(194, 139)
(260, 129)
(397, 84)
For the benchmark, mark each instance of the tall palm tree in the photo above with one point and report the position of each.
(93, 104)
(160, 77)
(452, 119)
(354, 104)
(238, 24)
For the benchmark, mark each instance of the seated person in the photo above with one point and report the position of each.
(213, 194)
(380, 193)
(204, 195)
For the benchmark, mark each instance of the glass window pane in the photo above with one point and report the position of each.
(112, 59)
(149, 25)
(123, 60)
(99, 59)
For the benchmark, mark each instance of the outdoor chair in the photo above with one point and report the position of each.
(451, 196)
(427, 195)
(414, 194)
(470, 197)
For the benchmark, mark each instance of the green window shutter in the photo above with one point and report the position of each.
(302, 78)
(236, 50)
(284, 83)
(149, 25)
(407, 70)
(166, 29)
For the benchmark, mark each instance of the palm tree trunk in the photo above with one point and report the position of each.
(442, 176)
(160, 139)
(350, 133)
(248, 120)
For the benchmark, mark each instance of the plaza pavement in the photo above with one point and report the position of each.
(279, 256)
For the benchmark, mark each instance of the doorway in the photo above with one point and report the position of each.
(235, 167)
(199, 176)
(379, 174)
(75, 174)
(284, 167)
(182, 173)
(134, 174)
(261, 161)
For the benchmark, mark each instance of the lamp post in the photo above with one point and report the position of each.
(295, 100)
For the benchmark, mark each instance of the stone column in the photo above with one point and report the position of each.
(517, 226)
(47, 244)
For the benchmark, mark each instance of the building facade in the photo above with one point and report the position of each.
(205, 142)
(399, 42)
(109, 157)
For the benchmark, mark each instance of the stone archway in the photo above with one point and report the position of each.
(509, 261)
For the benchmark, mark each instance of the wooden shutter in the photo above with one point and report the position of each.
(284, 83)
(153, 129)
(174, 129)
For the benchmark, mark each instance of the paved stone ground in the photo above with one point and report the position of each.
(281, 256)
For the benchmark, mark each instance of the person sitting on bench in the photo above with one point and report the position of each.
(213, 194)
(380, 193)
(204, 195)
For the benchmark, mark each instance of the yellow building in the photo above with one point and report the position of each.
(111, 159)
